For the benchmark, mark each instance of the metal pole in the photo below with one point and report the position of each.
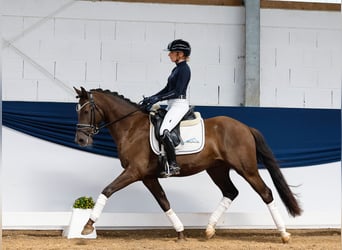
(252, 73)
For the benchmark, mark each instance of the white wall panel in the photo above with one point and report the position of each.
(131, 72)
(85, 50)
(321, 97)
(336, 97)
(71, 70)
(92, 30)
(56, 49)
(130, 31)
(204, 93)
(30, 72)
(290, 97)
(69, 29)
(32, 7)
(219, 75)
(28, 47)
(289, 57)
(210, 52)
(336, 60)
(13, 69)
(156, 73)
(275, 36)
(24, 90)
(107, 30)
(274, 76)
(47, 91)
(269, 94)
(93, 71)
(303, 38)
(283, 18)
(302, 42)
(160, 32)
(11, 26)
(329, 78)
(317, 58)
(304, 77)
(233, 36)
(268, 58)
(115, 51)
(46, 30)
(324, 39)
(144, 52)
(231, 94)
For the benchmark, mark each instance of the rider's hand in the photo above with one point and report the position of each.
(145, 101)
(153, 99)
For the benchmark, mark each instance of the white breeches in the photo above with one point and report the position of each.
(176, 110)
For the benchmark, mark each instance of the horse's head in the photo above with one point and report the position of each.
(89, 117)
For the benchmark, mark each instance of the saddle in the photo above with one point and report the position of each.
(157, 116)
(187, 137)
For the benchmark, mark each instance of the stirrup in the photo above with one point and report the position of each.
(170, 170)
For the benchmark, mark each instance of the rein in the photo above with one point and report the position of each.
(117, 120)
(92, 125)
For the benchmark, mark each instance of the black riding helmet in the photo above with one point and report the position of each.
(180, 45)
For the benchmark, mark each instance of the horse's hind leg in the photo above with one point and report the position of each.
(220, 176)
(253, 178)
(157, 191)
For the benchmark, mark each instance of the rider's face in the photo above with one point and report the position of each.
(176, 56)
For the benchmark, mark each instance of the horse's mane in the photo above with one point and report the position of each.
(116, 94)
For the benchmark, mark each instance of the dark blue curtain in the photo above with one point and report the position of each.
(298, 137)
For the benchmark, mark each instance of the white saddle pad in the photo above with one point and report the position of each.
(192, 134)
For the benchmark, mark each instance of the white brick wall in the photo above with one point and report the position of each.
(301, 58)
(120, 46)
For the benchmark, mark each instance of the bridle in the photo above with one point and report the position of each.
(94, 129)
(84, 128)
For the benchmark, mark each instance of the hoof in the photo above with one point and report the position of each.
(87, 229)
(181, 237)
(179, 240)
(210, 232)
(285, 237)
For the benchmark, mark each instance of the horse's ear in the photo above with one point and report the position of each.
(81, 93)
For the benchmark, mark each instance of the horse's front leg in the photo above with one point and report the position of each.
(157, 191)
(123, 180)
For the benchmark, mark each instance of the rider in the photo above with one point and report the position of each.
(175, 94)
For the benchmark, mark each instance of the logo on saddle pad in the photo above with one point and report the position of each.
(188, 136)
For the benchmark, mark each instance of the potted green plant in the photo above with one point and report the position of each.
(81, 210)
(84, 202)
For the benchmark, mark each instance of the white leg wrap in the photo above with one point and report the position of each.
(278, 220)
(216, 215)
(99, 205)
(177, 224)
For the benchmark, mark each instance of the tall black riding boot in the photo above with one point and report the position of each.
(173, 168)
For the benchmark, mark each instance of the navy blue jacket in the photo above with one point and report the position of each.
(177, 83)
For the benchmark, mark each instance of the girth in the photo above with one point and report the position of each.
(157, 117)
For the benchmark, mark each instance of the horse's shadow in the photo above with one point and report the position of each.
(262, 236)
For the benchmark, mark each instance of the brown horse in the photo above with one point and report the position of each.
(229, 144)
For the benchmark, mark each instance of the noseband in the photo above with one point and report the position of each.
(94, 129)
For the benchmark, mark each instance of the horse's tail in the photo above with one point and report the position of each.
(266, 157)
